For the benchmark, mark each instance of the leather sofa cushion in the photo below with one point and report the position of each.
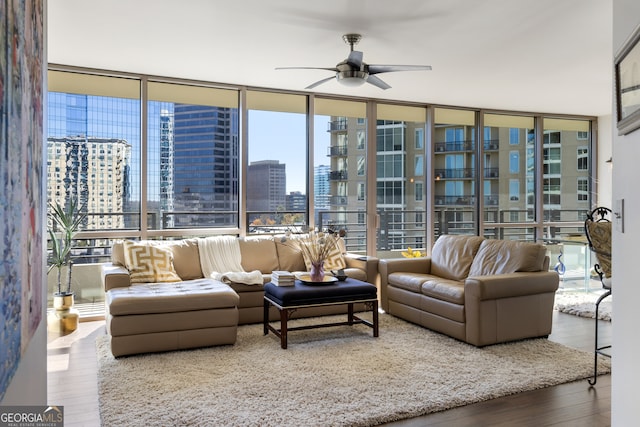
(451, 256)
(445, 290)
(507, 256)
(258, 253)
(290, 257)
(186, 258)
(200, 294)
(409, 281)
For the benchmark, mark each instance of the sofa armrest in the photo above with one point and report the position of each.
(410, 265)
(368, 264)
(398, 265)
(510, 285)
(509, 307)
(114, 276)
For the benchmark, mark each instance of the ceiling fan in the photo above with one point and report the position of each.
(354, 72)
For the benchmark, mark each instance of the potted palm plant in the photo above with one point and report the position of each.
(64, 222)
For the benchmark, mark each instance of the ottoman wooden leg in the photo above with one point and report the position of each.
(284, 318)
(375, 318)
(265, 317)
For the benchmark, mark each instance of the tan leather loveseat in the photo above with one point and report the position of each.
(197, 311)
(477, 290)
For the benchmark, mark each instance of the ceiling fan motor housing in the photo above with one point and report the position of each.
(351, 76)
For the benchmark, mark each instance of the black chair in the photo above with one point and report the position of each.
(597, 227)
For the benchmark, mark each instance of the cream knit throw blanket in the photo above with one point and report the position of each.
(220, 260)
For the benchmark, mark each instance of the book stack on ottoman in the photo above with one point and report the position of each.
(282, 278)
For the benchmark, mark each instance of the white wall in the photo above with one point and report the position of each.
(604, 171)
(626, 176)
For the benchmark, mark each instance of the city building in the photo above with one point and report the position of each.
(266, 187)
(296, 201)
(205, 174)
(94, 172)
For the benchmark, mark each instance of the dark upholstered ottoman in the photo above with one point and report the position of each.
(290, 298)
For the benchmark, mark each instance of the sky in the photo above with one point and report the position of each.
(282, 136)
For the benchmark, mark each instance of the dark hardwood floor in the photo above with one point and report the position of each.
(72, 367)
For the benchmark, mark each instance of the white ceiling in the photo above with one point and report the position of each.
(552, 56)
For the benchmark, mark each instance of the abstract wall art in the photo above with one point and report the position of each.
(21, 180)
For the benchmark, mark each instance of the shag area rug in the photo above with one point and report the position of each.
(338, 376)
(583, 304)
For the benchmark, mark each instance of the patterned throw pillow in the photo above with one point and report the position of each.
(334, 261)
(149, 264)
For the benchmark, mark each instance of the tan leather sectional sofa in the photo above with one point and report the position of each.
(477, 290)
(198, 311)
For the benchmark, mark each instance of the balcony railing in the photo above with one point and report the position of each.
(491, 200)
(338, 200)
(337, 126)
(88, 249)
(491, 145)
(455, 200)
(491, 172)
(459, 173)
(340, 175)
(442, 147)
(464, 173)
(338, 150)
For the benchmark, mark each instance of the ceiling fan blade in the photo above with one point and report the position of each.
(376, 69)
(355, 59)
(307, 68)
(319, 82)
(377, 81)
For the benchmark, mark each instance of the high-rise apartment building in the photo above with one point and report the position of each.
(95, 173)
(399, 174)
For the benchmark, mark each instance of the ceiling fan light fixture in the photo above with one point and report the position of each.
(352, 78)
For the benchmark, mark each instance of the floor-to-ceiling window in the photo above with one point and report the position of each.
(508, 177)
(565, 175)
(566, 198)
(455, 172)
(400, 179)
(276, 177)
(340, 169)
(192, 157)
(93, 143)
(93, 158)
